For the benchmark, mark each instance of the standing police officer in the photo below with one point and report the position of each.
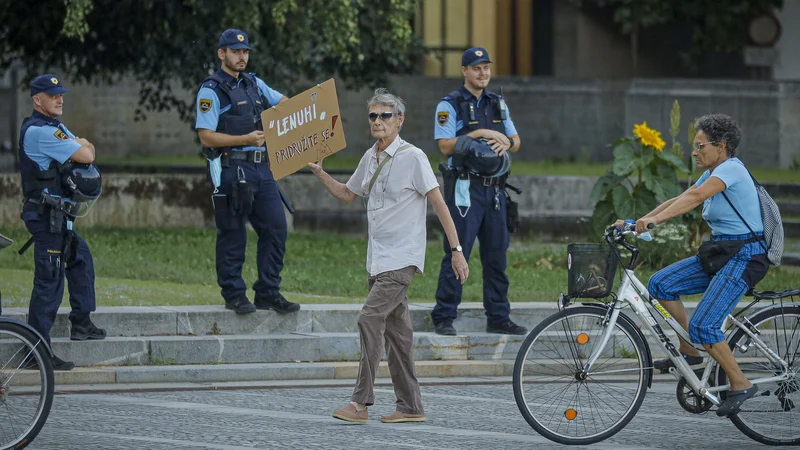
(59, 183)
(229, 106)
(474, 131)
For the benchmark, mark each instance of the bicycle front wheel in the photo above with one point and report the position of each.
(561, 401)
(773, 415)
(26, 385)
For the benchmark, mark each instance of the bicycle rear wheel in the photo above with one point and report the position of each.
(773, 415)
(563, 403)
(26, 385)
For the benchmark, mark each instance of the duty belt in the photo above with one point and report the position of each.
(255, 156)
(486, 181)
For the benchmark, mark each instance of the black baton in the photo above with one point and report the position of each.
(26, 246)
(286, 201)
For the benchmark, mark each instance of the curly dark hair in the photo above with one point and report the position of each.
(720, 128)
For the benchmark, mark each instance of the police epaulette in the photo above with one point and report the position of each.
(211, 84)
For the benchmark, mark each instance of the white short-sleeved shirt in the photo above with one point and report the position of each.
(397, 206)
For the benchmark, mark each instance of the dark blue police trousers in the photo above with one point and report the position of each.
(269, 222)
(488, 224)
(50, 269)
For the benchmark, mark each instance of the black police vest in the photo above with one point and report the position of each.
(474, 117)
(34, 180)
(244, 115)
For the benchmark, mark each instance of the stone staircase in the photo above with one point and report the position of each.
(200, 344)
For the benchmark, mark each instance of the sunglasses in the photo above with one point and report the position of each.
(373, 116)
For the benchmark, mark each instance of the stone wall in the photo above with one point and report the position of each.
(140, 201)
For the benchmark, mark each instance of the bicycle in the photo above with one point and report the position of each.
(26, 380)
(581, 374)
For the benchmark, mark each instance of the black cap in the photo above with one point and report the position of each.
(234, 39)
(475, 56)
(48, 83)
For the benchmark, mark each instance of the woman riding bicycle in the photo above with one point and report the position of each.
(733, 260)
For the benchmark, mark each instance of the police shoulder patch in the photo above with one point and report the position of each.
(442, 117)
(60, 135)
(205, 105)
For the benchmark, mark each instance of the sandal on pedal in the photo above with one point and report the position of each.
(734, 400)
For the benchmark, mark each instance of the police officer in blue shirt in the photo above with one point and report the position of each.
(229, 106)
(57, 181)
(471, 124)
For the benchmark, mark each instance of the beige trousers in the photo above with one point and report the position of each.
(385, 316)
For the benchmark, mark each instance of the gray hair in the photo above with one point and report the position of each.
(720, 128)
(384, 97)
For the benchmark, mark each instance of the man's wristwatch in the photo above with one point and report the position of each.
(510, 140)
(457, 248)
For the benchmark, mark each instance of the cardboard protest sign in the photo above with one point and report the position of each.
(303, 129)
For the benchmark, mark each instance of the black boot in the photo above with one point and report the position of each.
(278, 303)
(240, 305)
(83, 329)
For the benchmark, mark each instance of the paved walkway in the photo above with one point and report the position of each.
(460, 417)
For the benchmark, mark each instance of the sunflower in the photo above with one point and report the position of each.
(649, 136)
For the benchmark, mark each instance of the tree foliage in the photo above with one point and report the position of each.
(166, 45)
(717, 25)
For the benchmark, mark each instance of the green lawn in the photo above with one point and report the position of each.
(176, 267)
(349, 162)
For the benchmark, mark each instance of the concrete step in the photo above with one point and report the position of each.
(312, 318)
(274, 348)
(279, 348)
(210, 375)
(260, 372)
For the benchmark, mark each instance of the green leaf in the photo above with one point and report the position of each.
(623, 202)
(646, 156)
(633, 205)
(643, 201)
(663, 187)
(621, 140)
(624, 159)
(603, 215)
(603, 186)
(674, 160)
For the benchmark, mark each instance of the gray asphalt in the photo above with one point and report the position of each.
(459, 417)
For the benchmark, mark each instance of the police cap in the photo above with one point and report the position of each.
(475, 56)
(234, 39)
(48, 83)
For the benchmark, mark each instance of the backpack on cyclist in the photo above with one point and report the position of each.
(773, 226)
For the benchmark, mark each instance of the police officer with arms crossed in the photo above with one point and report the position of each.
(229, 106)
(474, 131)
(59, 183)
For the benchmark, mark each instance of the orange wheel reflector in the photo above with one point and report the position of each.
(582, 339)
(570, 414)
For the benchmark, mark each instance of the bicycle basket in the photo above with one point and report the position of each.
(591, 270)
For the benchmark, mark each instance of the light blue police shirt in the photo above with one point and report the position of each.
(46, 143)
(741, 191)
(209, 119)
(449, 129)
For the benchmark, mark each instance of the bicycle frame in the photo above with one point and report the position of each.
(633, 293)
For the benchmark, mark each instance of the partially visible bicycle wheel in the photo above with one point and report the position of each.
(567, 405)
(773, 415)
(26, 385)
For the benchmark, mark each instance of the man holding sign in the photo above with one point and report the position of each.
(394, 178)
(229, 106)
